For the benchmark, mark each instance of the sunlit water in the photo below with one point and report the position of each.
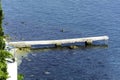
(44, 19)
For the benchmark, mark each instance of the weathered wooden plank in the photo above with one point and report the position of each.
(57, 42)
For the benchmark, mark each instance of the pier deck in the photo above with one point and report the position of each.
(87, 40)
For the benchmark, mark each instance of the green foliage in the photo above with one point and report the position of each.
(1, 17)
(20, 77)
(2, 43)
(1, 31)
(3, 54)
(3, 75)
(3, 71)
(3, 65)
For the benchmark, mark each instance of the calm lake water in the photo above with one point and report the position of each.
(44, 19)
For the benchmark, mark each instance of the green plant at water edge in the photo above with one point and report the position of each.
(20, 77)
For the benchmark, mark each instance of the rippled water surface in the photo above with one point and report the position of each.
(44, 20)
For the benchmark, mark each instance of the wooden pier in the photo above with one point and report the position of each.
(87, 40)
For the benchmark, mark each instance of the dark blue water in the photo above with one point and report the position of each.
(44, 19)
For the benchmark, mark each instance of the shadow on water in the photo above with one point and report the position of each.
(66, 47)
(24, 52)
(61, 62)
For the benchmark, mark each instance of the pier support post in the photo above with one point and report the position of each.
(58, 45)
(88, 42)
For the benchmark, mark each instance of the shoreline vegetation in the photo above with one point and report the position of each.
(3, 54)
